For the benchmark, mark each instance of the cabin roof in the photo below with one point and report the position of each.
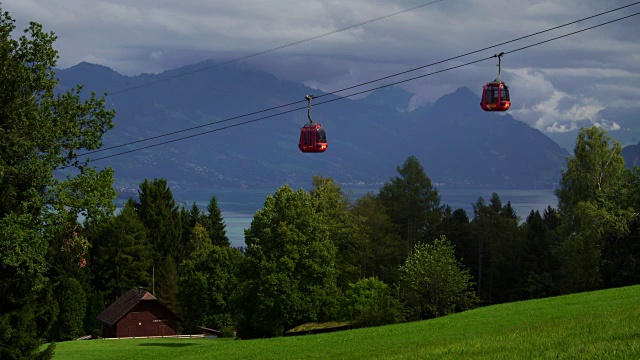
(121, 307)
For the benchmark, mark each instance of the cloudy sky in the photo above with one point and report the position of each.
(555, 87)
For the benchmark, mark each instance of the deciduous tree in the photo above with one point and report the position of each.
(333, 207)
(288, 277)
(41, 132)
(207, 284)
(433, 283)
(593, 211)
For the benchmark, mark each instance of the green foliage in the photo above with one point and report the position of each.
(593, 203)
(41, 132)
(207, 285)
(69, 324)
(500, 254)
(594, 173)
(121, 254)
(412, 203)
(288, 277)
(455, 226)
(199, 242)
(159, 213)
(382, 252)
(433, 283)
(95, 305)
(540, 262)
(333, 207)
(369, 302)
(166, 282)
(215, 224)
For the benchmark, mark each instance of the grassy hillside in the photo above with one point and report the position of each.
(602, 324)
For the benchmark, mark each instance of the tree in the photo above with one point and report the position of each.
(166, 283)
(69, 323)
(288, 277)
(540, 263)
(122, 254)
(433, 283)
(333, 206)
(594, 173)
(95, 305)
(159, 213)
(215, 224)
(500, 255)
(199, 242)
(369, 302)
(41, 132)
(208, 284)
(592, 203)
(412, 202)
(382, 252)
(455, 226)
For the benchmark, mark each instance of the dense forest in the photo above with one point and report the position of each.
(310, 256)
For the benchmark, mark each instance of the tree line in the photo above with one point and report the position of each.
(315, 255)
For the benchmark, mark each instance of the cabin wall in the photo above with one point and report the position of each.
(148, 318)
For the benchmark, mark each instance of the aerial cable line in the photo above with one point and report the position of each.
(278, 47)
(365, 91)
(355, 86)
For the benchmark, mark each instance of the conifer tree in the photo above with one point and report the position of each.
(412, 202)
(215, 224)
(166, 282)
(121, 254)
(160, 215)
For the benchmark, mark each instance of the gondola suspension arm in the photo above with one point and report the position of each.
(499, 56)
(309, 98)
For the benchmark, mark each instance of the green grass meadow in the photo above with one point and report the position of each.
(595, 325)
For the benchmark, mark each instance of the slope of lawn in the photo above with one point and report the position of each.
(601, 324)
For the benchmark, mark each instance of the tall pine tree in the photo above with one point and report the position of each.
(159, 213)
(215, 224)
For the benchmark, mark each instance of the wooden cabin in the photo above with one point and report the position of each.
(138, 313)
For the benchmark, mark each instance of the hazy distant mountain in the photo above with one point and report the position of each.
(631, 155)
(457, 143)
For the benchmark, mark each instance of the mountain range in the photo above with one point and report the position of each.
(457, 143)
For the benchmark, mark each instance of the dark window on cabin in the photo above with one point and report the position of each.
(307, 137)
(321, 136)
(505, 94)
(492, 95)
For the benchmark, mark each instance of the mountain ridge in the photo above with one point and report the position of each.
(457, 143)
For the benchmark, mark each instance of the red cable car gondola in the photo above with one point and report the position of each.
(495, 94)
(313, 138)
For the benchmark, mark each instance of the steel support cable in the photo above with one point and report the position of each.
(368, 90)
(355, 86)
(278, 47)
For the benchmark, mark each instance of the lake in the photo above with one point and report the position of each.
(239, 205)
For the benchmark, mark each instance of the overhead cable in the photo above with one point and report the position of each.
(276, 48)
(363, 91)
(335, 92)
